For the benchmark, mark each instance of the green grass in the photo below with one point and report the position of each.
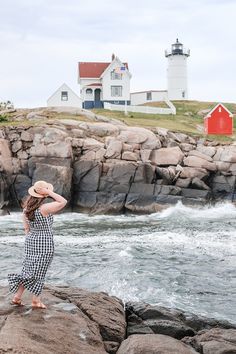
(187, 118)
(25, 122)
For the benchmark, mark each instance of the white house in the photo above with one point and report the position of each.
(65, 97)
(142, 97)
(104, 82)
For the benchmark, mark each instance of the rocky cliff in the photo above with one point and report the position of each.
(111, 167)
(77, 321)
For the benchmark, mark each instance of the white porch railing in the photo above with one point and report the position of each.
(141, 109)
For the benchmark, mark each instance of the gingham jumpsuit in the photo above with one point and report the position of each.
(39, 250)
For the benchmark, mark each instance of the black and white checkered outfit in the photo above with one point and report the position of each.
(39, 250)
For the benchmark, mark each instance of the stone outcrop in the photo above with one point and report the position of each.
(106, 166)
(76, 321)
(153, 328)
(152, 344)
(80, 321)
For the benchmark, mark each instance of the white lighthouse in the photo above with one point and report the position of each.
(177, 71)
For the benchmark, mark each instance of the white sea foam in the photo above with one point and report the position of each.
(126, 253)
(168, 258)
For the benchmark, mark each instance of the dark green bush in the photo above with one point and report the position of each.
(3, 118)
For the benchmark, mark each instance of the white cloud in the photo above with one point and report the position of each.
(42, 41)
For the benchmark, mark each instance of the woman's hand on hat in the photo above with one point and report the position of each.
(42, 190)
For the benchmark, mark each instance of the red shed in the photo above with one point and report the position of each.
(219, 121)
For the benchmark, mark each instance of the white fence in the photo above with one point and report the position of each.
(140, 109)
(170, 105)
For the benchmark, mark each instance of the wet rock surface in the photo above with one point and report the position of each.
(75, 321)
(80, 321)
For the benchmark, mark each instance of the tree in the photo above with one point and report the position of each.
(6, 105)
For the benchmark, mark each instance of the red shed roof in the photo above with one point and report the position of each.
(218, 105)
(93, 69)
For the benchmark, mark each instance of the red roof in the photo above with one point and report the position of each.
(93, 69)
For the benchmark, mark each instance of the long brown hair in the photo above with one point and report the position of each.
(31, 204)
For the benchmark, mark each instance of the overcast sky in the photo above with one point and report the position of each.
(42, 41)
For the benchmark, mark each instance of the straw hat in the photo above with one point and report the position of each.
(39, 184)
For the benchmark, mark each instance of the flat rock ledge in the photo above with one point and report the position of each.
(78, 321)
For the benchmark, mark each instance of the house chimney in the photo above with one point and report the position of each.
(113, 57)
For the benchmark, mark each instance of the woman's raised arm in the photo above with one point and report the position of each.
(53, 207)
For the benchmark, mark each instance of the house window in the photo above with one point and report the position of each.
(149, 96)
(183, 94)
(116, 76)
(89, 91)
(64, 95)
(220, 109)
(116, 91)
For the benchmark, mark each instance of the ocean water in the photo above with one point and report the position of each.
(181, 257)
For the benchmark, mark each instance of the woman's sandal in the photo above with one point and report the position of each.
(38, 305)
(16, 302)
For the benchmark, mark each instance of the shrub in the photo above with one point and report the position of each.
(3, 118)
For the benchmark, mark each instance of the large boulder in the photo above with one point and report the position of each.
(92, 144)
(168, 174)
(114, 148)
(223, 186)
(144, 173)
(226, 154)
(118, 177)
(136, 135)
(144, 203)
(195, 161)
(95, 155)
(50, 142)
(142, 188)
(130, 156)
(167, 156)
(104, 310)
(59, 176)
(202, 194)
(199, 184)
(86, 175)
(53, 161)
(5, 156)
(144, 318)
(183, 182)
(26, 136)
(100, 129)
(4, 193)
(153, 344)
(36, 116)
(99, 202)
(214, 341)
(76, 321)
(191, 172)
(201, 155)
(21, 185)
(206, 150)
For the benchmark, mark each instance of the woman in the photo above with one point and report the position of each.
(39, 245)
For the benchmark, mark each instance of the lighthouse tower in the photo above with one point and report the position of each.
(177, 71)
